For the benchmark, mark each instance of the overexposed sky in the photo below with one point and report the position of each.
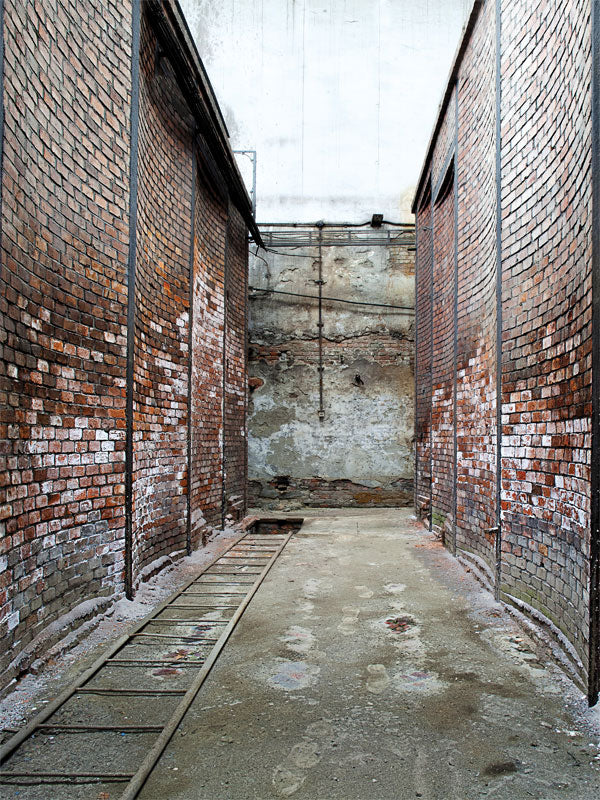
(338, 98)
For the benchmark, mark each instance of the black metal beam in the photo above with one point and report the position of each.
(498, 542)
(131, 265)
(455, 331)
(190, 428)
(594, 623)
(431, 349)
(416, 369)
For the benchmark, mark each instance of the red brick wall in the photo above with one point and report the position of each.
(161, 310)
(423, 406)
(236, 381)
(62, 310)
(442, 397)
(476, 365)
(545, 256)
(546, 262)
(207, 375)
(63, 322)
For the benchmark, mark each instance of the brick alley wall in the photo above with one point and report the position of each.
(65, 203)
(236, 377)
(165, 177)
(66, 188)
(537, 177)
(546, 258)
(207, 370)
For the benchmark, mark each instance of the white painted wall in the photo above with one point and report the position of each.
(338, 97)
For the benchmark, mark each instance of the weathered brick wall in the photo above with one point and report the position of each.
(423, 357)
(476, 364)
(442, 397)
(543, 166)
(210, 227)
(161, 310)
(63, 327)
(546, 263)
(62, 311)
(236, 378)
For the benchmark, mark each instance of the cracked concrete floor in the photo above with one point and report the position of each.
(370, 665)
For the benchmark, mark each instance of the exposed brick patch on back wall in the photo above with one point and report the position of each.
(63, 332)
(544, 168)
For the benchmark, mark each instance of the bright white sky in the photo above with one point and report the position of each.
(338, 98)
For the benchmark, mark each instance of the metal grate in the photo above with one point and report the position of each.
(340, 237)
(117, 696)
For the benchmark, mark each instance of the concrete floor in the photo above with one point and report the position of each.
(317, 697)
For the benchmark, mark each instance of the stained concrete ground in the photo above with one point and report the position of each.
(318, 696)
(369, 666)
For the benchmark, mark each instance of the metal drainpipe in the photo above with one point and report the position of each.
(320, 323)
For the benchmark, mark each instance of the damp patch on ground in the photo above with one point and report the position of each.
(293, 675)
(298, 639)
(418, 681)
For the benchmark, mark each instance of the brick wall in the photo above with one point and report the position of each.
(63, 310)
(162, 310)
(63, 330)
(236, 379)
(476, 321)
(207, 376)
(423, 355)
(442, 406)
(544, 254)
(546, 258)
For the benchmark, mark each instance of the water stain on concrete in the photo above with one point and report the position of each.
(378, 679)
(293, 675)
(394, 588)
(298, 639)
(349, 621)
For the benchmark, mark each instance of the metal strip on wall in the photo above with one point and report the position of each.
(416, 370)
(190, 429)
(320, 326)
(131, 265)
(224, 367)
(432, 300)
(455, 331)
(498, 547)
(594, 645)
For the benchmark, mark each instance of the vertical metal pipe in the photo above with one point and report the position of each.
(131, 265)
(190, 428)
(320, 325)
(455, 331)
(594, 622)
(498, 548)
(416, 401)
(224, 365)
(254, 185)
(431, 302)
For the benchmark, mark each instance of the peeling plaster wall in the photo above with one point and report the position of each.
(361, 452)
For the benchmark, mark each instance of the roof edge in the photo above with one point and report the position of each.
(452, 77)
(172, 29)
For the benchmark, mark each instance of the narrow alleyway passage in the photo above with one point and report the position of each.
(319, 696)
